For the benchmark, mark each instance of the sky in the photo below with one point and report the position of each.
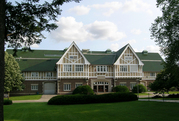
(99, 25)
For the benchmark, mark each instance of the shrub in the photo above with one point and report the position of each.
(7, 102)
(85, 90)
(173, 89)
(173, 96)
(141, 87)
(85, 99)
(120, 88)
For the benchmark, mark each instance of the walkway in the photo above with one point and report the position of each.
(173, 101)
(44, 98)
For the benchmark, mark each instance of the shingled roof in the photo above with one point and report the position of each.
(45, 60)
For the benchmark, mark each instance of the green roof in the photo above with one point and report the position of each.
(100, 59)
(45, 60)
(38, 53)
(150, 66)
(37, 65)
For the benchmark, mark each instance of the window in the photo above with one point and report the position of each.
(102, 68)
(67, 68)
(128, 57)
(132, 84)
(73, 57)
(67, 87)
(152, 74)
(123, 68)
(79, 68)
(49, 74)
(34, 86)
(123, 83)
(134, 68)
(34, 74)
(78, 84)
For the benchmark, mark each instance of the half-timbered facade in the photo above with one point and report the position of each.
(61, 71)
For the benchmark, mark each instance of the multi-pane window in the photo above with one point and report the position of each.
(35, 74)
(133, 68)
(34, 86)
(123, 83)
(79, 68)
(49, 74)
(123, 68)
(73, 57)
(102, 68)
(67, 87)
(67, 68)
(132, 85)
(152, 74)
(78, 84)
(127, 57)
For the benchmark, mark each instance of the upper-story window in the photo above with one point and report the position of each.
(73, 57)
(49, 74)
(128, 56)
(152, 74)
(34, 74)
(67, 68)
(102, 68)
(123, 68)
(79, 68)
(133, 68)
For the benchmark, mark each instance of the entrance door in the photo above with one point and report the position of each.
(100, 88)
(106, 88)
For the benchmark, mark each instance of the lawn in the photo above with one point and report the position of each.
(26, 97)
(122, 111)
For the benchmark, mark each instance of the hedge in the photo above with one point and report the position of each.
(7, 102)
(86, 99)
(120, 88)
(141, 87)
(86, 90)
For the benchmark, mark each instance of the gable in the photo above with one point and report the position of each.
(128, 56)
(73, 55)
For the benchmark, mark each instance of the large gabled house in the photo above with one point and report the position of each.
(61, 71)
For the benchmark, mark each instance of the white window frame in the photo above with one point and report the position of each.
(152, 74)
(67, 68)
(127, 58)
(132, 84)
(34, 87)
(67, 87)
(133, 68)
(78, 84)
(34, 74)
(123, 68)
(123, 83)
(102, 69)
(49, 73)
(80, 68)
(73, 57)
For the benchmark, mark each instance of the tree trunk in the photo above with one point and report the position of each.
(2, 38)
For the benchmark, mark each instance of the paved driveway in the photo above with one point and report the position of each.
(44, 98)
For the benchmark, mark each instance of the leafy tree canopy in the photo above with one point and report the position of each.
(165, 32)
(26, 20)
(13, 77)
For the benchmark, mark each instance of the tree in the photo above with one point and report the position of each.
(13, 77)
(165, 32)
(22, 24)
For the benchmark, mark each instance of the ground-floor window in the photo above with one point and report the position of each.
(123, 83)
(67, 87)
(78, 84)
(34, 86)
(132, 84)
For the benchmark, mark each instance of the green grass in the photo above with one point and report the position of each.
(26, 97)
(122, 111)
(140, 94)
